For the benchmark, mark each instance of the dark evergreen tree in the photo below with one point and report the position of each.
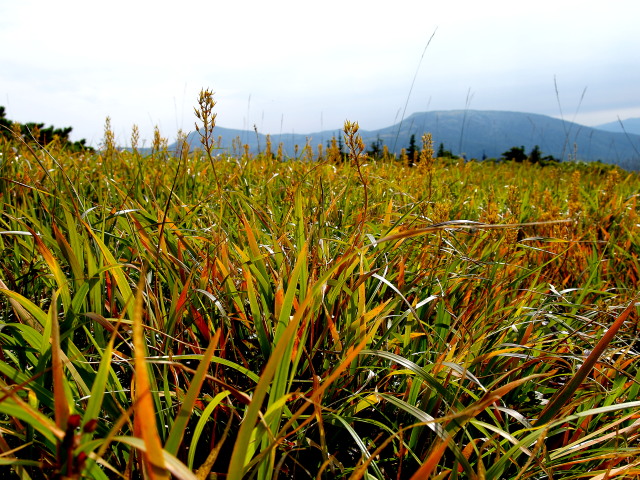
(535, 156)
(516, 154)
(411, 151)
(443, 153)
(5, 124)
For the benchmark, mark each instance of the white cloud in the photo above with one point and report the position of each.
(310, 65)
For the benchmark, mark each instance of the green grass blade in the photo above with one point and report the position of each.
(204, 418)
(180, 423)
(94, 405)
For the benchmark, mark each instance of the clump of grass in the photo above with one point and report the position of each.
(245, 317)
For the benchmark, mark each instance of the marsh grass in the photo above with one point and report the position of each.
(253, 318)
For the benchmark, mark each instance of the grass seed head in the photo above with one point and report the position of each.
(204, 113)
(135, 138)
(108, 140)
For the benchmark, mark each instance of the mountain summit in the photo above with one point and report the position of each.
(487, 134)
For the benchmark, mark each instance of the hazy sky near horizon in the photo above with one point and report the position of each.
(292, 66)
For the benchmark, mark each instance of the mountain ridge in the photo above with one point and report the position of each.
(476, 134)
(630, 125)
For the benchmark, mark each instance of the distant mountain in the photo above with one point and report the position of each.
(631, 125)
(480, 134)
(471, 133)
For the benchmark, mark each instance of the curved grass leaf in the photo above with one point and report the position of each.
(202, 421)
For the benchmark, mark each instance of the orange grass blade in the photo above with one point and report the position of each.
(431, 462)
(61, 406)
(144, 411)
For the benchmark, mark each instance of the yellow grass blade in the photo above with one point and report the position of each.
(20, 311)
(55, 268)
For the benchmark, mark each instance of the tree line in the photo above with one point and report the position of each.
(377, 150)
(39, 133)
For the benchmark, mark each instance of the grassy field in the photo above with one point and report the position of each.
(205, 316)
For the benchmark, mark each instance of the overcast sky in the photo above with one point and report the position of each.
(296, 66)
